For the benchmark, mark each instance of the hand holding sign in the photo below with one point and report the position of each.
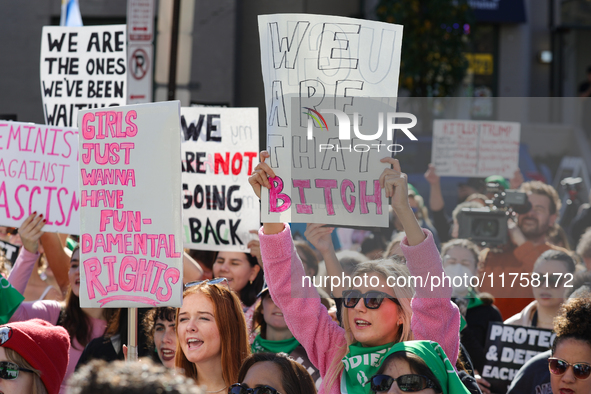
(30, 232)
(261, 174)
(396, 184)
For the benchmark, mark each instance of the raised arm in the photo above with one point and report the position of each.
(57, 259)
(394, 181)
(434, 316)
(321, 238)
(305, 316)
(30, 232)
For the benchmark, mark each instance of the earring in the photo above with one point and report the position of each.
(251, 282)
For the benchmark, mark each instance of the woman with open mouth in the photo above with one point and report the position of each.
(374, 320)
(160, 328)
(82, 324)
(211, 334)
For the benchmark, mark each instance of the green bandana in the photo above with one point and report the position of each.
(361, 363)
(261, 345)
(435, 358)
(11, 300)
(473, 299)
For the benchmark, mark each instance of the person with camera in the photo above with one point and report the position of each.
(527, 242)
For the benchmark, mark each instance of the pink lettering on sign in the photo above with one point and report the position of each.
(275, 195)
(327, 185)
(141, 277)
(47, 196)
(301, 185)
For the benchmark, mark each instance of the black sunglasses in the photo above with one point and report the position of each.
(238, 388)
(9, 371)
(215, 281)
(406, 383)
(559, 367)
(373, 298)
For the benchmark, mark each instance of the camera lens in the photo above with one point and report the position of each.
(486, 228)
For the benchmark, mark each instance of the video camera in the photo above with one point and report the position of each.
(487, 226)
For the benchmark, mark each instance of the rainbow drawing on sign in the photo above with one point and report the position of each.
(315, 118)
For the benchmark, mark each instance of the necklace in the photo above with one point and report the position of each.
(217, 390)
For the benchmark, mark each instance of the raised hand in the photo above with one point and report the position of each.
(431, 175)
(320, 237)
(255, 248)
(30, 232)
(394, 181)
(260, 175)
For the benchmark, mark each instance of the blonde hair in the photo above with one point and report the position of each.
(38, 385)
(386, 268)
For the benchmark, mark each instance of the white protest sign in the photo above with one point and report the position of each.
(81, 68)
(220, 150)
(39, 172)
(130, 180)
(475, 148)
(317, 68)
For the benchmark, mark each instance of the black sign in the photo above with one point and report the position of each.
(10, 251)
(508, 348)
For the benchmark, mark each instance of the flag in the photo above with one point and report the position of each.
(70, 14)
(11, 299)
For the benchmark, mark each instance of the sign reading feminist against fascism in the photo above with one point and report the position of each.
(475, 148)
(39, 172)
(81, 68)
(317, 69)
(220, 150)
(130, 176)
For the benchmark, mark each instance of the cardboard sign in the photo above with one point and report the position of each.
(220, 150)
(508, 348)
(475, 149)
(130, 181)
(317, 63)
(39, 172)
(81, 68)
(10, 251)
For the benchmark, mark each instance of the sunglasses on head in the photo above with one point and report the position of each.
(9, 371)
(372, 299)
(407, 383)
(238, 388)
(215, 281)
(559, 367)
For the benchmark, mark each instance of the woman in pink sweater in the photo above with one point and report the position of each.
(373, 320)
(82, 324)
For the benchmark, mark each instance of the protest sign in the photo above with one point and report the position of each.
(507, 348)
(130, 244)
(316, 69)
(81, 68)
(219, 151)
(9, 251)
(475, 148)
(39, 172)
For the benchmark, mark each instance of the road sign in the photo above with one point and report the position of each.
(140, 20)
(140, 63)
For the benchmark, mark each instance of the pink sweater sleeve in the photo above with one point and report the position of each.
(46, 310)
(434, 316)
(22, 269)
(305, 316)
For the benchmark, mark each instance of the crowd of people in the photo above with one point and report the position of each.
(247, 324)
